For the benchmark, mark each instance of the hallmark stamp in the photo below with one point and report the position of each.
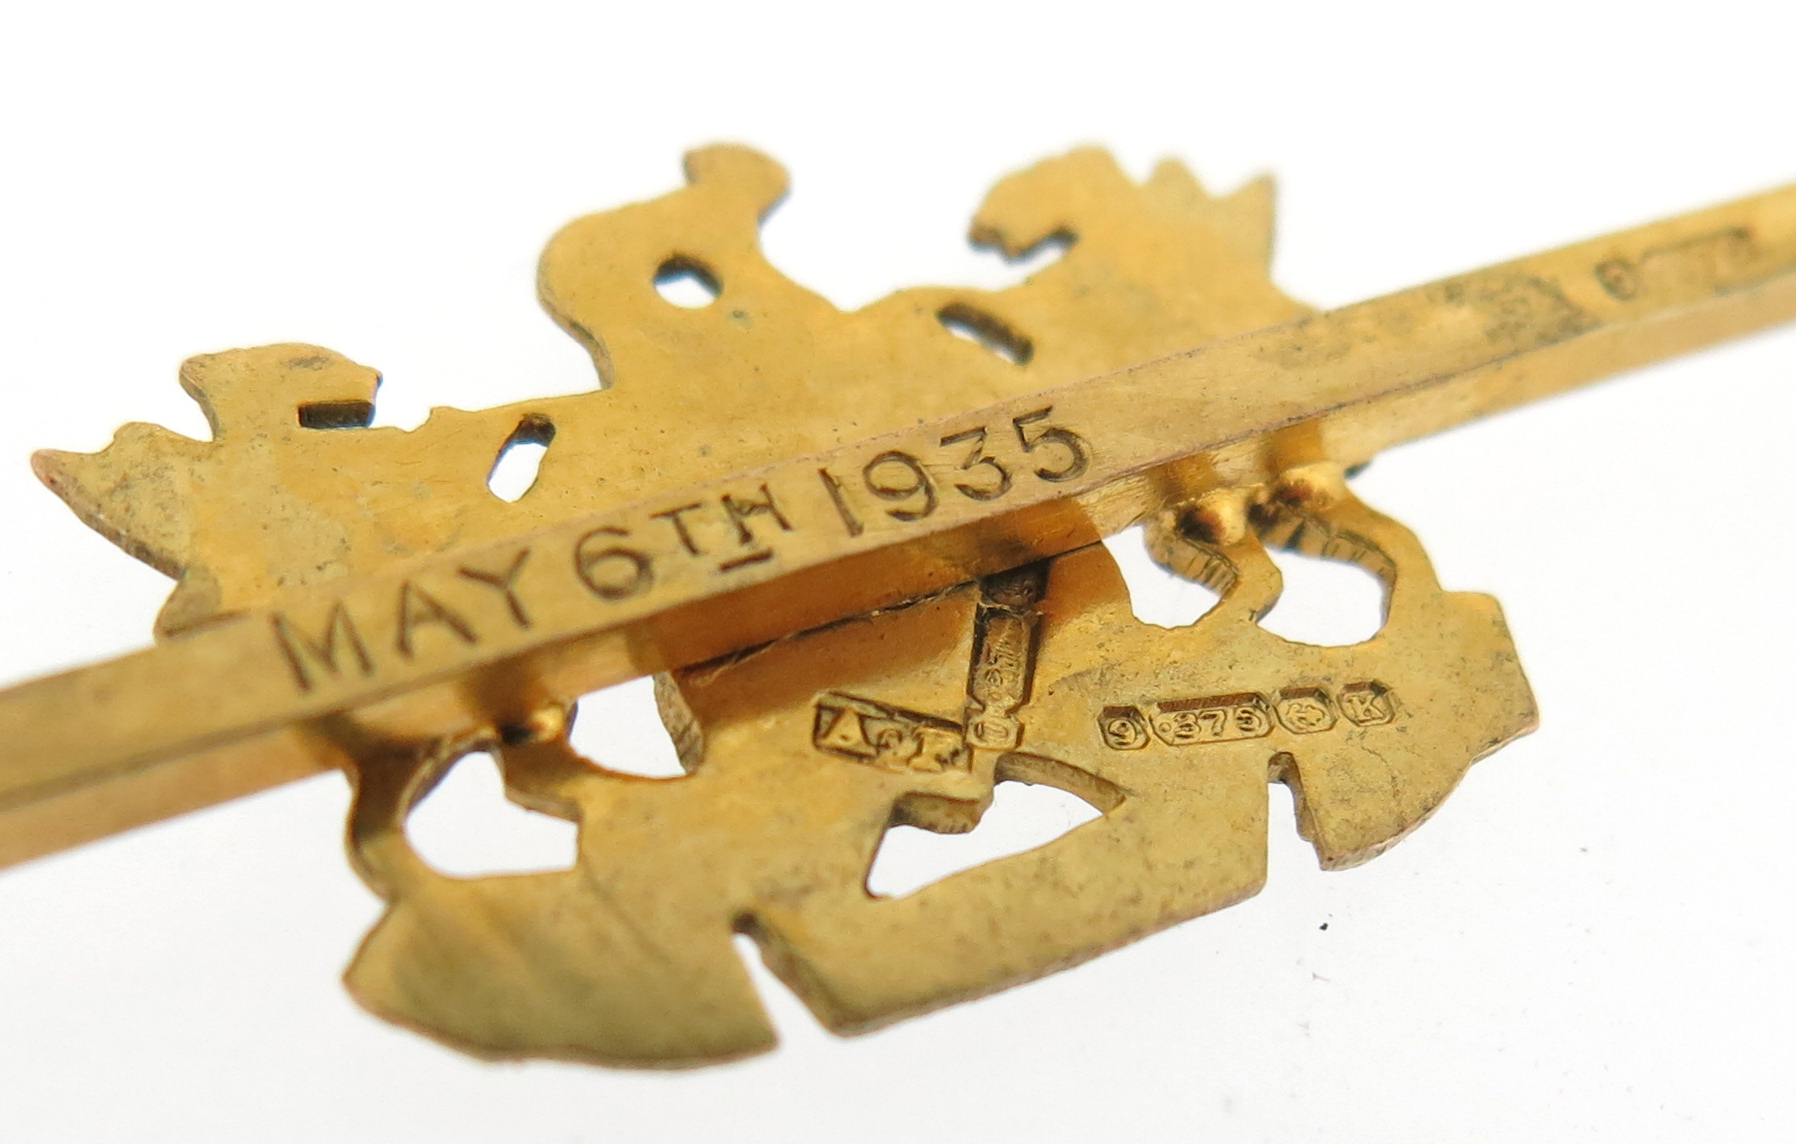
(1301, 710)
(1213, 719)
(1123, 728)
(1368, 704)
(1304, 710)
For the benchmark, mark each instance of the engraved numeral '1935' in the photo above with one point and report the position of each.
(903, 481)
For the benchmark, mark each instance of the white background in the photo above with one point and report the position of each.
(1591, 941)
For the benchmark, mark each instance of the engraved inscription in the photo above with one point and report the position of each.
(901, 478)
(298, 648)
(1035, 435)
(742, 509)
(505, 583)
(913, 485)
(760, 557)
(887, 737)
(466, 601)
(850, 521)
(993, 480)
(693, 524)
(419, 609)
(677, 518)
(609, 570)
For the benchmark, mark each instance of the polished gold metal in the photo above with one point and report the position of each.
(864, 548)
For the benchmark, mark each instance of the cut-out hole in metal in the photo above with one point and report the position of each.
(687, 282)
(983, 329)
(467, 828)
(515, 468)
(1043, 254)
(619, 729)
(797, 1026)
(1022, 817)
(1330, 603)
(336, 415)
(1156, 596)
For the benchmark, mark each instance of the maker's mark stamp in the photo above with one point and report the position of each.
(887, 737)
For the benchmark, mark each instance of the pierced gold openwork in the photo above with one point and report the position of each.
(859, 550)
